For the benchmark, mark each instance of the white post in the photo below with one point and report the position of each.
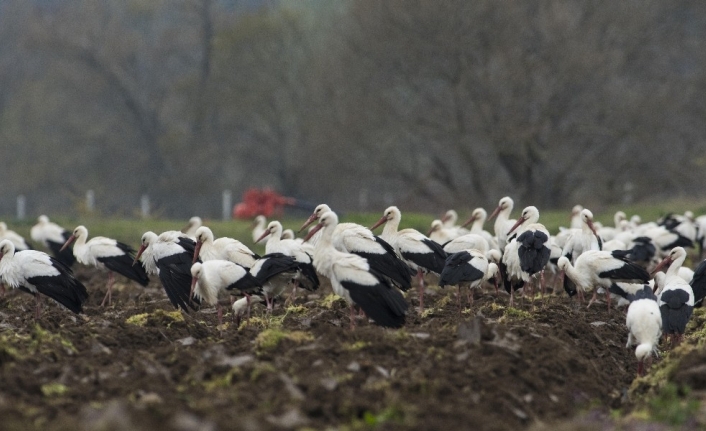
(90, 201)
(21, 207)
(227, 204)
(145, 206)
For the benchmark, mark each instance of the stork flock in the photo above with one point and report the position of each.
(374, 273)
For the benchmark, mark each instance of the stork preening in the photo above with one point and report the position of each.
(53, 237)
(676, 298)
(214, 276)
(38, 273)
(170, 256)
(353, 279)
(595, 268)
(224, 248)
(644, 322)
(356, 239)
(106, 254)
(421, 254)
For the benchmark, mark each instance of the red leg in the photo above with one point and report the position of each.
(219, 307)
(352, 316)
(420, 275)
(38, 307)
(108, 294)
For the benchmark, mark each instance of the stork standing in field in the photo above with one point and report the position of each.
(676, 299)
(52, 236)
(170, 256)
(258, 227)
(356, 239)
(582, 239)
(274, 272)
(190, 229)
(528, 251)
(35, 272)
(213, 276)
(644, 322)
(353, 279)
(17, 240)
(420, 253)
(469, 267)
(503, 223)
(224, 248)
(106, 253)
(595, 268)
(306, 276)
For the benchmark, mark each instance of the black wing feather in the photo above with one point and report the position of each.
(629, 272)
(698, 283)
(381, 302)
(534, 255)
(675, 311)
(175, 275)
(458, 269)
(433, 261)
(122, 264)
(66, 256)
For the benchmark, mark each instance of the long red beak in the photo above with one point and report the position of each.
(517, 223)
(193, 285)
(139, 253)
(428, 233)
(68, 242)
(197, 250)
(264, 234)
(313, 231)
(665, 262)
(382, 221)
(312, 218)
(495, 212)
(593, 229)
(469, 221)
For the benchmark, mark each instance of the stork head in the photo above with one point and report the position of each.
(274, 229)
(7, 248)
(43, 219)
(194, 222)
(477, 214)
(196, 270)
(451, 216)
(529, 215)
(259, 221)
(675, 254)
(318, 211)
(576, 210)
(505, 203)
(435, 225)
(391, 213)
(287, 234)
(587, 218)
(148, 238)
(329, 218)
(79, 232)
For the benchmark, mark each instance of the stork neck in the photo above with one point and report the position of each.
(391, 227)
(674, 267)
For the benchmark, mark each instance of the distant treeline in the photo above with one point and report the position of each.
(357, 103)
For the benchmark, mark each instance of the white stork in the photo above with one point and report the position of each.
(450, 219)
(595, 268)
(189, 230)
(16, 239)
(223, 248)
(352, 279)
(306, 276)
(36, 272)
(582, 239)
(503, 223)
(527, 251)
(467, 242)
(274, 271)
(576, 217)
(440, 234)
(676, 298)
(170, 256)
(106, 253)
(356, 239)
(52, 236)
(213, 276)
(644, 322)
(608, 233)
(420, 253)
(468, 267)
(258, 227)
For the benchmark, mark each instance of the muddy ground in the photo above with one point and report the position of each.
(140, 365)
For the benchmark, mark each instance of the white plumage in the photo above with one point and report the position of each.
(223, 248)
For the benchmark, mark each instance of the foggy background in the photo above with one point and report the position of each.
(361, 104)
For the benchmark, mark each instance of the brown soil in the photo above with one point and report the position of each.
(504, 369)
